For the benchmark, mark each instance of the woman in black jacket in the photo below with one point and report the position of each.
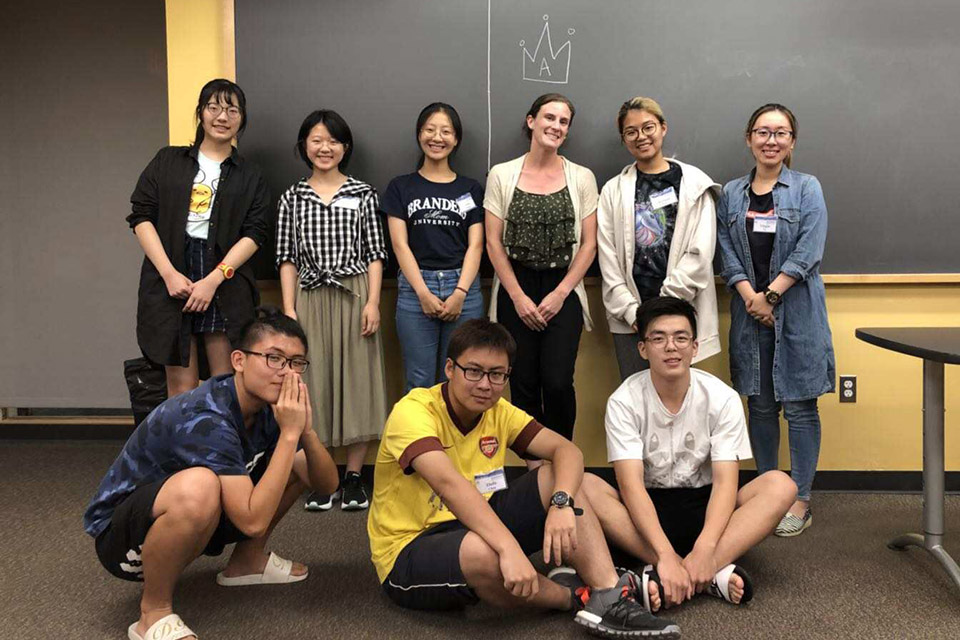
(199, 213)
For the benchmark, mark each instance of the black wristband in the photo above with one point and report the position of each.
(465, 292)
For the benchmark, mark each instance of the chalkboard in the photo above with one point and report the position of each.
(872, 82)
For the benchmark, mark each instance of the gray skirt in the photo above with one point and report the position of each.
(346, 377)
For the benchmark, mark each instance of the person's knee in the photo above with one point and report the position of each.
(803, 414)
(194, 496)
(780, 487)
(595, 487)
(479, 563)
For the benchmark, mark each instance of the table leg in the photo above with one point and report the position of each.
(933, 474)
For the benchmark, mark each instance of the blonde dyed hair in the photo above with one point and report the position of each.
(639, 103)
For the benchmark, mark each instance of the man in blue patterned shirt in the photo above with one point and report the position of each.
(217, 465)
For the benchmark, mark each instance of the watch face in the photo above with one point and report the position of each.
(560, 498)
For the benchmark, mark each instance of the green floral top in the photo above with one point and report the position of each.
(540, 229)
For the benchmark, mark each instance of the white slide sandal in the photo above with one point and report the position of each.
(169, 627)
(277, 571)
(720, 587)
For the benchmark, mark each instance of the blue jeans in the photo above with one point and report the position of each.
(803, 425)
(424, 340)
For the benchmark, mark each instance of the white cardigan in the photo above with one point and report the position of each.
(582, 184)
(689, 263)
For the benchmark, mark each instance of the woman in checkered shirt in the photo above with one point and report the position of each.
(330, 253)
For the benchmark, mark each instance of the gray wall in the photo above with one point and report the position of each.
(873, 83)
(83, 108)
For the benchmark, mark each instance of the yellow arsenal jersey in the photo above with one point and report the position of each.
(404, 505)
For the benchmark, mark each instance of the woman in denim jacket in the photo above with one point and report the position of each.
(771, 228)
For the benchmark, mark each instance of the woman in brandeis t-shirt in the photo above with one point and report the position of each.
(435, 219)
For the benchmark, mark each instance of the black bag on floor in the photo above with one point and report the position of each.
(147, 383)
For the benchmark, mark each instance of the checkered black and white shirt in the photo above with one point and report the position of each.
(329, 241)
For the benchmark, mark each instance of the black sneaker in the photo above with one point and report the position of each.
(320, 501)
(354, 497)
(617, 614)
(567, 577)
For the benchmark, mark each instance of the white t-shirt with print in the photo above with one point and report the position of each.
(202, 194)
(676, 449)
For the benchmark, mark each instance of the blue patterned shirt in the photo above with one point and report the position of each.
(199, 428)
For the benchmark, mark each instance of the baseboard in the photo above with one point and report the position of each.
(840, 481)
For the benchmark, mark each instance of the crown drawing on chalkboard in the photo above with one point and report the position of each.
(547, 64)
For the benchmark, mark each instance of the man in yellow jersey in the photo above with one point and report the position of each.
(446, 530)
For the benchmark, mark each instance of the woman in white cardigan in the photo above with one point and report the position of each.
(656, 237)
(541, 238)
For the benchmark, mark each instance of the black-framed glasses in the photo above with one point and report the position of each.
(474, 374)
(215, 109)
(648, 129)
(277, 361)
(659, 340)
(780, 135)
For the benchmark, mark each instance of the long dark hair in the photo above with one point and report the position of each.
(221, 90)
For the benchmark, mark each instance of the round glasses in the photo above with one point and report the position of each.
(680, 340)
(648, 129)
(780, 135)
(215, 109)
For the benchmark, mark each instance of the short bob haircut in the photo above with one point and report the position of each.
(480, 333)
(220, 90)
(270, 320)
(546, 99)
(639, 103)
(439, 107)
(335, 124)
(666, 306)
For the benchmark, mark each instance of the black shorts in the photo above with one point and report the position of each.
(427, 574)
(681, 513)
(120, 544)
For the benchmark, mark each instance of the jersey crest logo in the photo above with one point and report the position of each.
(489, 446)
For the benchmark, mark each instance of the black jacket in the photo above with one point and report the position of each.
(162, 196)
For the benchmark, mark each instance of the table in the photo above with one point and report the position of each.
(937, 346)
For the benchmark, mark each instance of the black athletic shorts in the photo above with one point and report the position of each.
(681, 513)
(427, 574)
(120, 544)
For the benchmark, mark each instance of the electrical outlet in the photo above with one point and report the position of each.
(848, 388)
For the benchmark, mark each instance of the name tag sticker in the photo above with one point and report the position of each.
(664, 198)
(491, 482)
(466, 204)
(349, 202)
(765, 224)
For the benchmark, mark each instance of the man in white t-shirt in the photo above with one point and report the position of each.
(675, 436)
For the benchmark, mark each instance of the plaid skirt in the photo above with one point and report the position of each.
(200, 262)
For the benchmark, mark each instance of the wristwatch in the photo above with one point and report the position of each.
(562, 500)
(226, 270)
(773, 297)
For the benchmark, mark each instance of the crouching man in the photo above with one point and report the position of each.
(217, 465)
(675, 436)
(448, 530)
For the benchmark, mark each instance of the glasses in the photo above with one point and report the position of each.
(329, 142)
(474, 374)
(215, 110)
(781, 135)
(680, 340)
(277, 361)
(648, 129)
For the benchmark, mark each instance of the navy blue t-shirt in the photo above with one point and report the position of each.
(199, 428)
(438, 216)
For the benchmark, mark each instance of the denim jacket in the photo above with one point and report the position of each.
(803, 362)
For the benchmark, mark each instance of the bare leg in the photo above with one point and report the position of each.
(218, 353)
(481, 568)
(186, 512)
(356, 454)
(760, 505)
(250, 557)
(591, 558)
(615, 519)
(180, 379)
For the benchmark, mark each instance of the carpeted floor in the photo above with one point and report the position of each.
(837, 580)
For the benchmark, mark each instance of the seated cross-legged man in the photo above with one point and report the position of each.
(217, 465)
(446, 530)
(675, 436)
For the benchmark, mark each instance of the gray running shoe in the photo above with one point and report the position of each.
(615, 613)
